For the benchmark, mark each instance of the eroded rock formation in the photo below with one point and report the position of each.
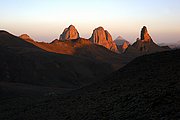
(104, 38)
(69, 33)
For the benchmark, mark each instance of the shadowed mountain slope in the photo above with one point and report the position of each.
(82, 48)
(23, 62)
(146, 88)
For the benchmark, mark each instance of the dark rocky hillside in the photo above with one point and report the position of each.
(148, 88)
(25, 64)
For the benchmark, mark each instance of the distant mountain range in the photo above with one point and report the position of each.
(175, 45)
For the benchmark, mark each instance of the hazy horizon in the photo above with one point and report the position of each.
(45, 20)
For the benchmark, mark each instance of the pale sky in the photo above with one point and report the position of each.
(44, 20)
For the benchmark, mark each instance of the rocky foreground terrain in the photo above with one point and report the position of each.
(148, 88)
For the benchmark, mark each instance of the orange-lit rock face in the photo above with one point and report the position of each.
(98, 36)
(26, 37)
(145, 35)
(69, 33)
(146, 44)
(103, 37)
(125, 46)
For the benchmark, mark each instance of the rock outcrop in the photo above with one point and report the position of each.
(145, 35)
(145, 43)
(26, 37)
(125, 46)
(104, 38)
(69, 33)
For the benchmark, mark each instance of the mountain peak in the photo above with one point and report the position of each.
(104, 38)
(145, 35)
(26, 37)
(120, 40)
(69, 33)
(71, 27)
(99, 28)
(146, 44)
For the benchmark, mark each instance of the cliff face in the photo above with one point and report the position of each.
(69, 33)
(104, 38)
(145, 35)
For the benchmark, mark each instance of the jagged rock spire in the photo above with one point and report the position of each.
(145, 35)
